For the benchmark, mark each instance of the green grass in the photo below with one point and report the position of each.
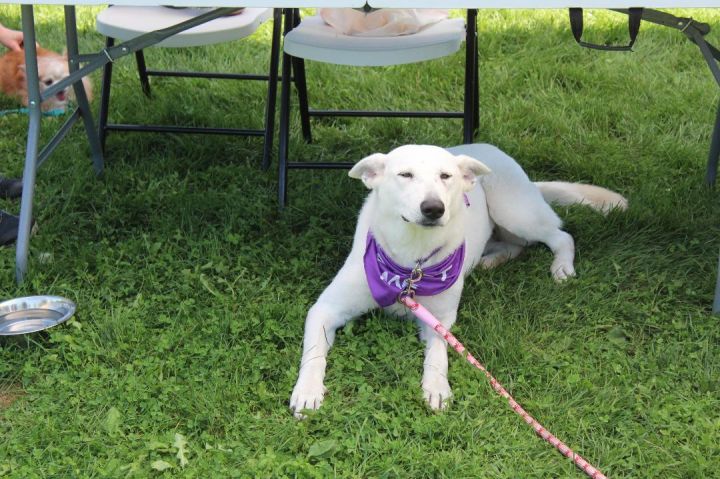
(192, 288)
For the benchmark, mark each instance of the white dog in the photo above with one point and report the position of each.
(427, 215)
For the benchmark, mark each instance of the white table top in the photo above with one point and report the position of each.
(202, 3)
(537, 4)
(493, 4)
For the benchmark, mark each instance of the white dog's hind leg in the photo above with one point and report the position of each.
(499, 252)
(563, 247)
(346, 297)
(546, 230)
(560, 243)
(522, 216)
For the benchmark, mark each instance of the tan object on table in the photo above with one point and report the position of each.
(381, 23)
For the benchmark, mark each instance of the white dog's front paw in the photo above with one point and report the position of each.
(562, 270)
(306, 395)
(437, 392)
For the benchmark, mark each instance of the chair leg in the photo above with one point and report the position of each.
(712, 164)
(470, 76)
(105, 97)
(22, 244)
(716, 302)
(476, 103)
(142, 72)
(81, 96)
(272, 89)
(298, 66)
(284, 119)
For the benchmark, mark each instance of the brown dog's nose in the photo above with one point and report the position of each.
(432, 209)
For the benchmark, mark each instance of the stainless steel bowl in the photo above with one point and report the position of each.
(33, 313)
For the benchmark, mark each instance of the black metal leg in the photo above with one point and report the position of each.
(298, 65)
(272, 88)
(711, 55)
(79, 89)
(712, 164)
(470, 76)
(476, 103)
(105, 97)
(716, 302)
(142, 72)
(284, 119)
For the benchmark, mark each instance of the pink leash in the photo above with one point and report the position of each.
(426, 317)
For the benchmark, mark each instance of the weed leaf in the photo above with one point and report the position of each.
(323, 449)
(180, 443)
(618, 336)
(160, 465)
(112, 421)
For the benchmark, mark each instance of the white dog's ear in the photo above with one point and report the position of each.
(471, 169)
(370, 169)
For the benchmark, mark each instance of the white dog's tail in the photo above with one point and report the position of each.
(597, 198)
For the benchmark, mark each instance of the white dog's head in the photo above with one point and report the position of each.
(420, 184)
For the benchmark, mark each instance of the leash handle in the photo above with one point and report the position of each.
(427, 317)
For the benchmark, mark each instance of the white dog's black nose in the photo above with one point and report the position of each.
(432, 209)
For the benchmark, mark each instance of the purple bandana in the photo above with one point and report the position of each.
(388, 279)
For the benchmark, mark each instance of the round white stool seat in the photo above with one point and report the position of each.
(315, 40)
(126, 23)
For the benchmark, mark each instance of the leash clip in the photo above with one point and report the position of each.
(415, 276)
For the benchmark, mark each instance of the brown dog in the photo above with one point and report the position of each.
(52, 67)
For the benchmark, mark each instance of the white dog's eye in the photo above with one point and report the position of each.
(406, 174)
(445, 176)
(48, 82)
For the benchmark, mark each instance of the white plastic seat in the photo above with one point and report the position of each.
(126, 23)
(313, 39)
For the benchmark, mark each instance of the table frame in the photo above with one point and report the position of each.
(34, 158)
(696, 31)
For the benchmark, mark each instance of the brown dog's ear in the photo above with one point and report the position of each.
(471, 169)
(370, 170)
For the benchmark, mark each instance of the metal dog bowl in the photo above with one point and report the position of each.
(33, 313)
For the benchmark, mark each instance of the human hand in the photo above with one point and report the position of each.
(12, 39)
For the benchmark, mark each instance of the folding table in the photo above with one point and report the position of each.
(83, 64)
